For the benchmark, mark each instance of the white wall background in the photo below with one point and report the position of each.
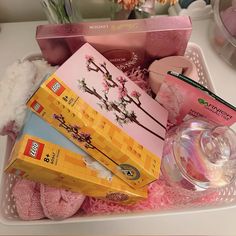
(30, 10)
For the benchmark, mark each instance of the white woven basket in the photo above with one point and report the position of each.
(226, 197)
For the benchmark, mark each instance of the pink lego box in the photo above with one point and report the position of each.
(127, 44)
(97, 107)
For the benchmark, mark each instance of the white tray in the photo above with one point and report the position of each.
(226, 197)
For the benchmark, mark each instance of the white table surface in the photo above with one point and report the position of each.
(18, 40)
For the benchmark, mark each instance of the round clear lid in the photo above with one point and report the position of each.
(225, 13)
(205, 153)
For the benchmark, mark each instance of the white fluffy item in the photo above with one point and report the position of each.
(19, 82)
(102, 171)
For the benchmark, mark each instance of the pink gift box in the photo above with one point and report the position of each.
(127, 44)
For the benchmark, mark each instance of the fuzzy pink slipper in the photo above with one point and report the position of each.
(27, 199)
(59, 204)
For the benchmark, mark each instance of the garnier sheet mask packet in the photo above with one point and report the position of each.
(184, 97)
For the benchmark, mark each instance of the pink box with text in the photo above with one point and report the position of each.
(127, 44)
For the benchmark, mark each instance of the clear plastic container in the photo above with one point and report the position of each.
(199, 155)
(223, 30)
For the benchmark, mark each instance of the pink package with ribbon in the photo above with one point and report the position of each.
(182, 97)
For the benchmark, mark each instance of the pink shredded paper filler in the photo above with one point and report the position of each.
(160, 197)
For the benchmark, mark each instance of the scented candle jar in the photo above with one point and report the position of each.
(199, 155)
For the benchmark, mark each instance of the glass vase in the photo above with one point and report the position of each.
(62, 11)
(118, 12)
(145, 9)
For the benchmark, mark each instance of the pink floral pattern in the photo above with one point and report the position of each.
(122, 92)
(105, 86)
(89, 58)
(120, 107)
(121, 80)
(135, 94)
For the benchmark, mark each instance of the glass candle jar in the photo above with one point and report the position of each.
(199, 155)
(62, 11)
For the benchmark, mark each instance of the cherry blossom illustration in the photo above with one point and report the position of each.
(109, 82)
(86, 139)
(119, 107)
(122, 115)
(76, 134)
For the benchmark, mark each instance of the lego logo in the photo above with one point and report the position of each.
(36, 106)
(55, 87)
(34, 149)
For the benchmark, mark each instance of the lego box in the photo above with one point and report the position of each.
(45, 162)
(97, 107)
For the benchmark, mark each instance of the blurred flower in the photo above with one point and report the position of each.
(128, 4)
(121, 79)
(89, 58)
(171, 2)
(135, 94)
(105, 86)
(131, 4)
(122, 92)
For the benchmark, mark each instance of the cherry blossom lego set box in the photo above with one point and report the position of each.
(127, 44)
(101, 110)
(42, 149)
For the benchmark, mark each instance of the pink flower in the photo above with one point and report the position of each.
(135, 94)
(121, 79)
(128, 4)
(131, 4)
(105, 86)
(89, 57)
(171, 2)
(122, 92)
